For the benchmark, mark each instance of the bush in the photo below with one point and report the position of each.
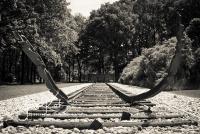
(150, 68)
(132, 71)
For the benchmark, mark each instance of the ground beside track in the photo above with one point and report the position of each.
(189, 93)
(12, 107)
(12, 91)
(170, 100)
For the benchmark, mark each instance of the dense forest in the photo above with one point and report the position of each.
(132, 39)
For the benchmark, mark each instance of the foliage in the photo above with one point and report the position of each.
(193, 31)
(151, 67)
(132, 71)
(162, 17)
(107, 36)
(154, 62)
(105, 43)
(48, 25)
(188, 9)
(151, 23)
(116, 30)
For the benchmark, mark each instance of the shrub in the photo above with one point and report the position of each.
(132, 71)
(150, 68)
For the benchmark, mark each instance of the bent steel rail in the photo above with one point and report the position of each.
(173, 69)
(41, 67)
(44, 73)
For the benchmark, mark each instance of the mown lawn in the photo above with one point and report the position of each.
(12, 91)
(190, 93)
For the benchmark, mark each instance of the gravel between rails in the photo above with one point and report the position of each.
(185, 103)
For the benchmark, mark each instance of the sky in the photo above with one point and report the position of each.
(86, 6)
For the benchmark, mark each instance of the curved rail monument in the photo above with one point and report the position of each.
(44, 73)
(41, 67)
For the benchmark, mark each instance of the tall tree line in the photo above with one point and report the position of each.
(118, 32)
(149, 69)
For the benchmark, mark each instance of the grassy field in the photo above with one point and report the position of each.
(12, 91)
(190, 93)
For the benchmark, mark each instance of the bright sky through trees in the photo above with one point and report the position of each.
(86, 6)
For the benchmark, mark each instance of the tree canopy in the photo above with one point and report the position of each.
(163, 19)
(107, 36)
(104, 43)
(48, 25)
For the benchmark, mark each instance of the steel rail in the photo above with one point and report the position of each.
(172, 71)
(76, 94)
(34, 56)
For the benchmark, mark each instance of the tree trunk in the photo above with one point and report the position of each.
(32, 73)
(40, 79)
(27, 69)
(72, 70)
(79, 70)
(103, 67)
(10, 60)
(80, 76)
(116, 66)
(22, 68)
(69, 71)
(18, 67)
(84, 72)
(99, 68)
(16, 59)
(3, 67)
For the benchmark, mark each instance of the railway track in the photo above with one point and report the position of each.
(98, 106)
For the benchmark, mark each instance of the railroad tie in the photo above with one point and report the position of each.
(99, 106)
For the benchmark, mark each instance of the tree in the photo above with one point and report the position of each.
(109, 32)
(150, 68)
(48, 25)
(188, 9)
(193, 31)
(55, 28)
(16, 16)
(76, 25)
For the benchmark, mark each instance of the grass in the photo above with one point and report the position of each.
(12, 91)
(190, 93)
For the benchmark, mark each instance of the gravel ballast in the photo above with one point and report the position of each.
(15, 106)
(179, 104)
(164, 101)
